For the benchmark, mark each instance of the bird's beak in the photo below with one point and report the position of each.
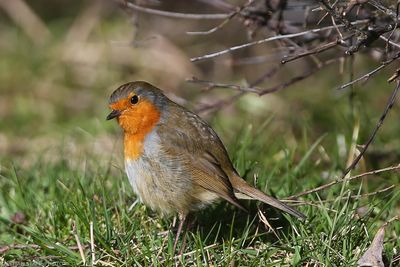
(114, 114)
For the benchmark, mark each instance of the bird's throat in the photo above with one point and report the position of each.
(136, 128)
(133, 146)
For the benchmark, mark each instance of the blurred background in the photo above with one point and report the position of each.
(287, 127)
(60, 60)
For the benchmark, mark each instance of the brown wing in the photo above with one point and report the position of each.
(195, 144)
(192, 140)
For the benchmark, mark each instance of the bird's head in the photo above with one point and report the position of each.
(137, 106)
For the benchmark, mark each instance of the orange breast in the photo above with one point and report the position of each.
(137, 122)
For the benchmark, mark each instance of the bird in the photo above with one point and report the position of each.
(175, 161)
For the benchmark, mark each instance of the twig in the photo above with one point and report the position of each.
(267, 75)
(337, 29)
(6, 248)
(275, 54)
(214, 29)
(219, 4)
(316, 50)
(266, 222)
(230, 100)
(302, 202)
(256, 90)
(104, 253)
(389, 41)
(220, 103)
(299, 78)
(395, 218)
(194, 251)
(78, 243)
(367, 37)
(27, 261)
(273, 38)
(341, 180)
(383, 9)
(388, 107)
(211, 85)
(222, 24)
(371, 73)
(374, 193)
(322, 18)
(336, 16)
(173, 14)
(316, 204)
(262, 91)
(364, 37)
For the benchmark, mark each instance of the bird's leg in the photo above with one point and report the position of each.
(190, 221)
(182, 220)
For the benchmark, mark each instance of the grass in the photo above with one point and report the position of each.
(62, 177)
(60, 200)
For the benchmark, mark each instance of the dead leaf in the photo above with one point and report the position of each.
(373, 255)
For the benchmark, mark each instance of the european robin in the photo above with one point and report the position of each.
(174, 160)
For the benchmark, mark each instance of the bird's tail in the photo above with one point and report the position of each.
(243, 187)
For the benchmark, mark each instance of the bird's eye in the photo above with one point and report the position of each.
(134, 99)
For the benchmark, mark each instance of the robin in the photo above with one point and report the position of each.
(174, 160)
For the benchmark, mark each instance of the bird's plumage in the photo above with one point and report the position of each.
(178, 163)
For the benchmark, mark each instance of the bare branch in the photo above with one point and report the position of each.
(341, 180)
(304, 202)
(210, 85)
(219, 104)
(316, 50)
(383, 9)
(273, 38)
(296, 79)
(264, 91)
(222, 24)
(336, 15)
(175, 15)
(216, 28)
(390, 41)
(388, 107)
(371, 73)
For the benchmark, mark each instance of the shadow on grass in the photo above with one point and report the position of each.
(223, 222)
